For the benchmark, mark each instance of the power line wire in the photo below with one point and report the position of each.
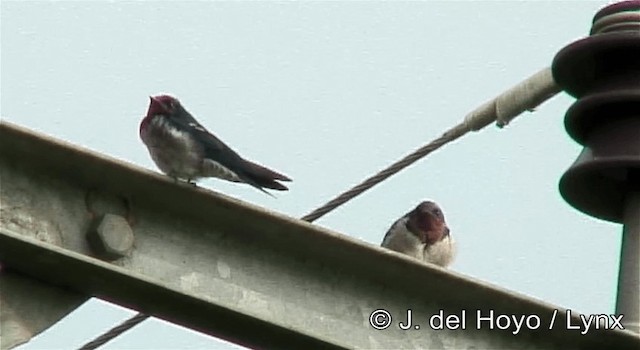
(523, 97)
(115, 332)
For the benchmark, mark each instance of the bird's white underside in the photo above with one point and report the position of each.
(178, 157)
(401, 240)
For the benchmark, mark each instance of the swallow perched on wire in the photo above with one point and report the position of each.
(184, 149)
(423, 234)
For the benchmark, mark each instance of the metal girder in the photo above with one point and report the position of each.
(28, 307)
(240, 272)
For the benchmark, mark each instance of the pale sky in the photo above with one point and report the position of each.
(329, 93)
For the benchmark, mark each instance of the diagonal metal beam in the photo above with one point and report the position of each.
(237, 271)
(66, 268)
(29, 307)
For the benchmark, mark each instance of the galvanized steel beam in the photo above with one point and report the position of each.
(240, 272)
(29, 307)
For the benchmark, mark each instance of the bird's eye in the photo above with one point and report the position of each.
(437, 212)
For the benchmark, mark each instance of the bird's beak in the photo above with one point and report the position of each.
(156, 107)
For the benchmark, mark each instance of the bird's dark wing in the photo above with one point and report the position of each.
(214, 149)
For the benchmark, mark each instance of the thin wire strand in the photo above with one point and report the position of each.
(393, 169)
(115, 332)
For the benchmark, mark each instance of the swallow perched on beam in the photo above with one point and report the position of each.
(183, 149)
(423, 234)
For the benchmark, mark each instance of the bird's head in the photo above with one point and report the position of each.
(427, 222)
(163, 104)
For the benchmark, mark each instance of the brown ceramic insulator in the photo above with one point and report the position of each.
(603, 72)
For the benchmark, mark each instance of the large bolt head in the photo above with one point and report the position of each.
(110, 237)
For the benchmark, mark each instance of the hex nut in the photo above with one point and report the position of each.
(110, 237)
